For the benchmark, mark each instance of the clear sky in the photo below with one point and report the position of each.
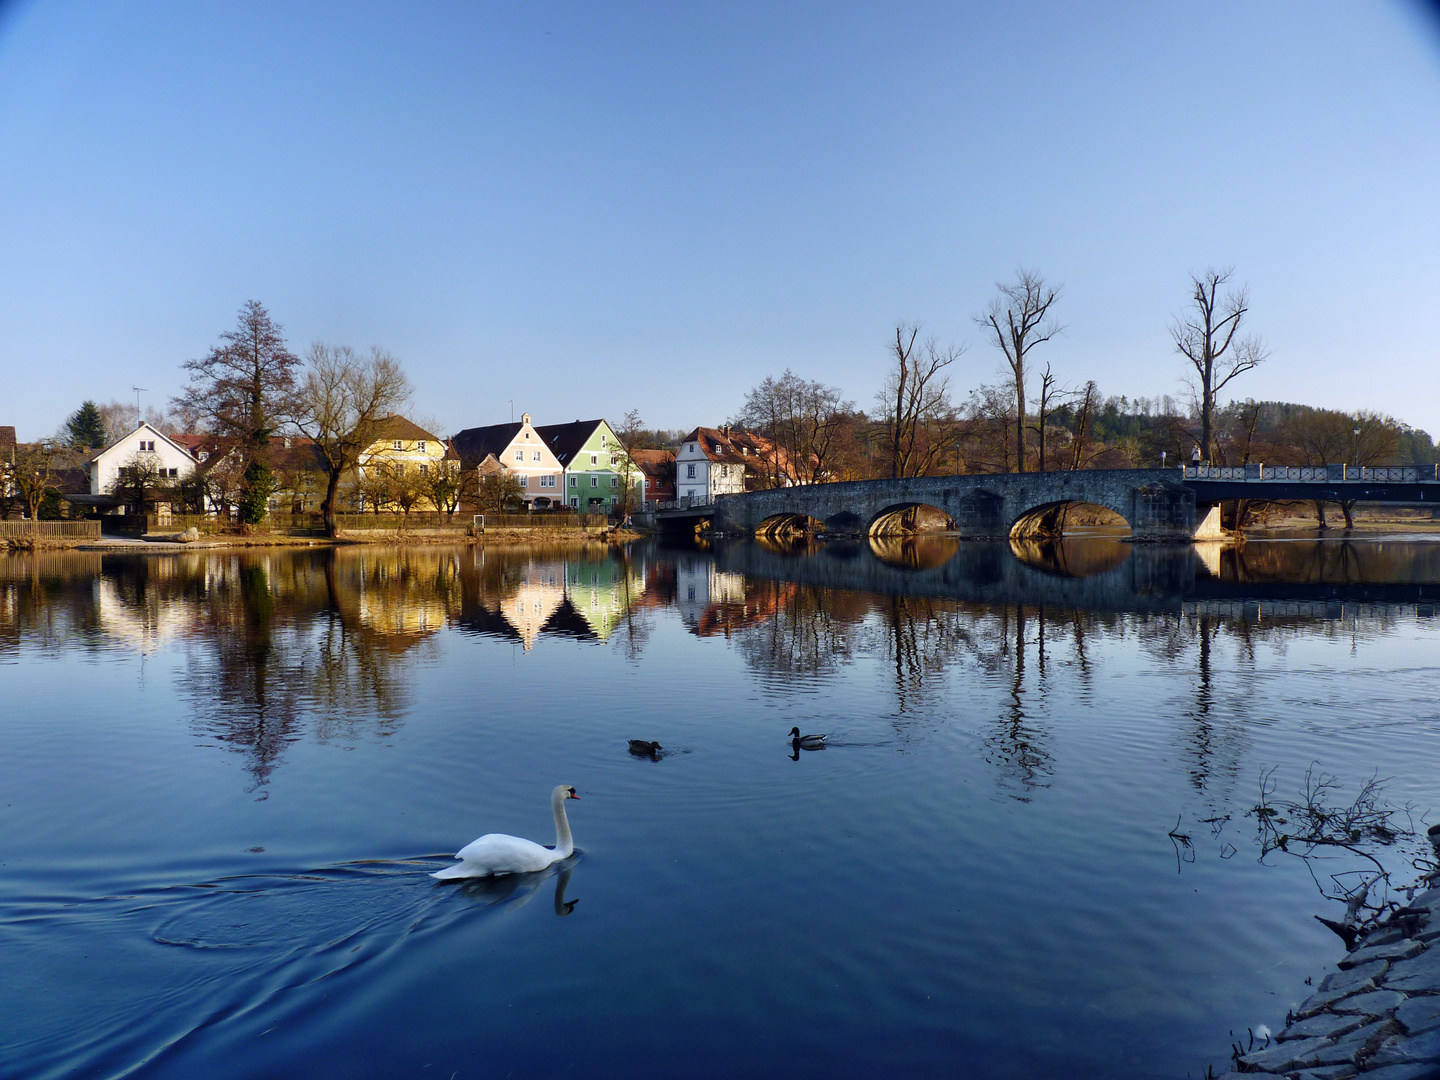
(591, 207)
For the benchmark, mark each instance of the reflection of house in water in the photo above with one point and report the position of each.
(714, 602)
(537, 597)
(513, 596)
(600, 593)
(145, 620)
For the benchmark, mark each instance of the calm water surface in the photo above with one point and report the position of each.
(224, 779)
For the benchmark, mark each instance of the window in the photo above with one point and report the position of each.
(594, 481)
(602, 441)
(424, 470)
(519, 455)
(147, 447)
(174, 472)
(573, 481)
(690, 447)
(614, 481)
(547, 481)
(594, 459)
(399, 468)
(524, 481)
(398, 445)
(420, 446)
(535, 456)
(689, 472)
(574, 502)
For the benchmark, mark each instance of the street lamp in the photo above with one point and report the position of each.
(1356, 433)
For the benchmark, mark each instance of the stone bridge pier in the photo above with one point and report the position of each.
(1153, 502)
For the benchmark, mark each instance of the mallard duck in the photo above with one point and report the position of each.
(806, 742)
(644, 749)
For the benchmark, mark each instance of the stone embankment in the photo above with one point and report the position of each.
(1377, 1017)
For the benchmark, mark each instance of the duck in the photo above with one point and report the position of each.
(806, 742)
(645, 749)
(497, 853)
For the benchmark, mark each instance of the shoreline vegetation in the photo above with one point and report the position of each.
(171, 542)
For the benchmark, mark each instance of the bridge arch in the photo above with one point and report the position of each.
(910, 518)
(1051, 519)
(789, 523)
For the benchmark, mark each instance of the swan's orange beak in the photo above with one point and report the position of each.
(572, 795)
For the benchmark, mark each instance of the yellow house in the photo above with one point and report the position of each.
(400, 467)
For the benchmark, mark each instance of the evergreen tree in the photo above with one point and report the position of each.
(86, 427)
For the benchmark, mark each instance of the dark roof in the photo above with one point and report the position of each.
(473, 444)
(397, 427)
(565, 440)
(7, 438)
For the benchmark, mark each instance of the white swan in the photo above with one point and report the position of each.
(496, 853)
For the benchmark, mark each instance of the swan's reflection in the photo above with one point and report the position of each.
(516, 890)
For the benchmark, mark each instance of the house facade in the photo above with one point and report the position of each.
(156, 455)
(659, 469)
(519, 449)
(717, 461)
(597, 471)
(402, 456)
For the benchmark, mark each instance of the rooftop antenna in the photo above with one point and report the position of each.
(138, 391)
(512, 410)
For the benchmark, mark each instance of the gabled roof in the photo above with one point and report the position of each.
(473, 444)
(153, 430)
(398, 427)
(722, 444)
(565, 440)
(652, 462)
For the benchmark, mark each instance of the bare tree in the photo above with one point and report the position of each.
(33, 472)
(1209, 337)
(1019, 319)
(1052, 397)
(917, 420)
(1089, 402)
(142, 482)
(340, 404)
(802, 418)
(243, 390)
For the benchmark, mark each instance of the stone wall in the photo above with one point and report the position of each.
(1377, 1016)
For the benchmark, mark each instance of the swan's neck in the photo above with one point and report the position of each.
(564, 844)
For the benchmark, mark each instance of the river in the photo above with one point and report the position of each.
(1026, 849)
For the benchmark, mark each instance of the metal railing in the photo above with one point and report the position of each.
(1385, 474)
(74, 530)
(685, 502)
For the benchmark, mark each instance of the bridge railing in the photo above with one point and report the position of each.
(685, 502)
(1383, 474)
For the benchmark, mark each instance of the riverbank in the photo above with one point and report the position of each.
(1377, 1016)
(170, 542)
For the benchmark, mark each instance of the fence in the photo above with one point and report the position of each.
(1383, 474)
(433, 520)
(75, 530)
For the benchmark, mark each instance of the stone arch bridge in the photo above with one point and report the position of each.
(1153, 502)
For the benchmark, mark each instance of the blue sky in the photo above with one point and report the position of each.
(589, 208)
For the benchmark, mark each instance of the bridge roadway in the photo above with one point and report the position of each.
(1158, 504)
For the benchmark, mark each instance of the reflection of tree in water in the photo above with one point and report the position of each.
(243, 673)
(794, 631)
(47, 601)
(313, 643)
(1018, 745)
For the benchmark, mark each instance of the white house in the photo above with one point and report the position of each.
(716, 461)
(147, 446)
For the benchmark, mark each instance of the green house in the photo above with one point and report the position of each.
(598, 472)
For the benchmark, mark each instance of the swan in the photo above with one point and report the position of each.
(806, 742)
(496, 853)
